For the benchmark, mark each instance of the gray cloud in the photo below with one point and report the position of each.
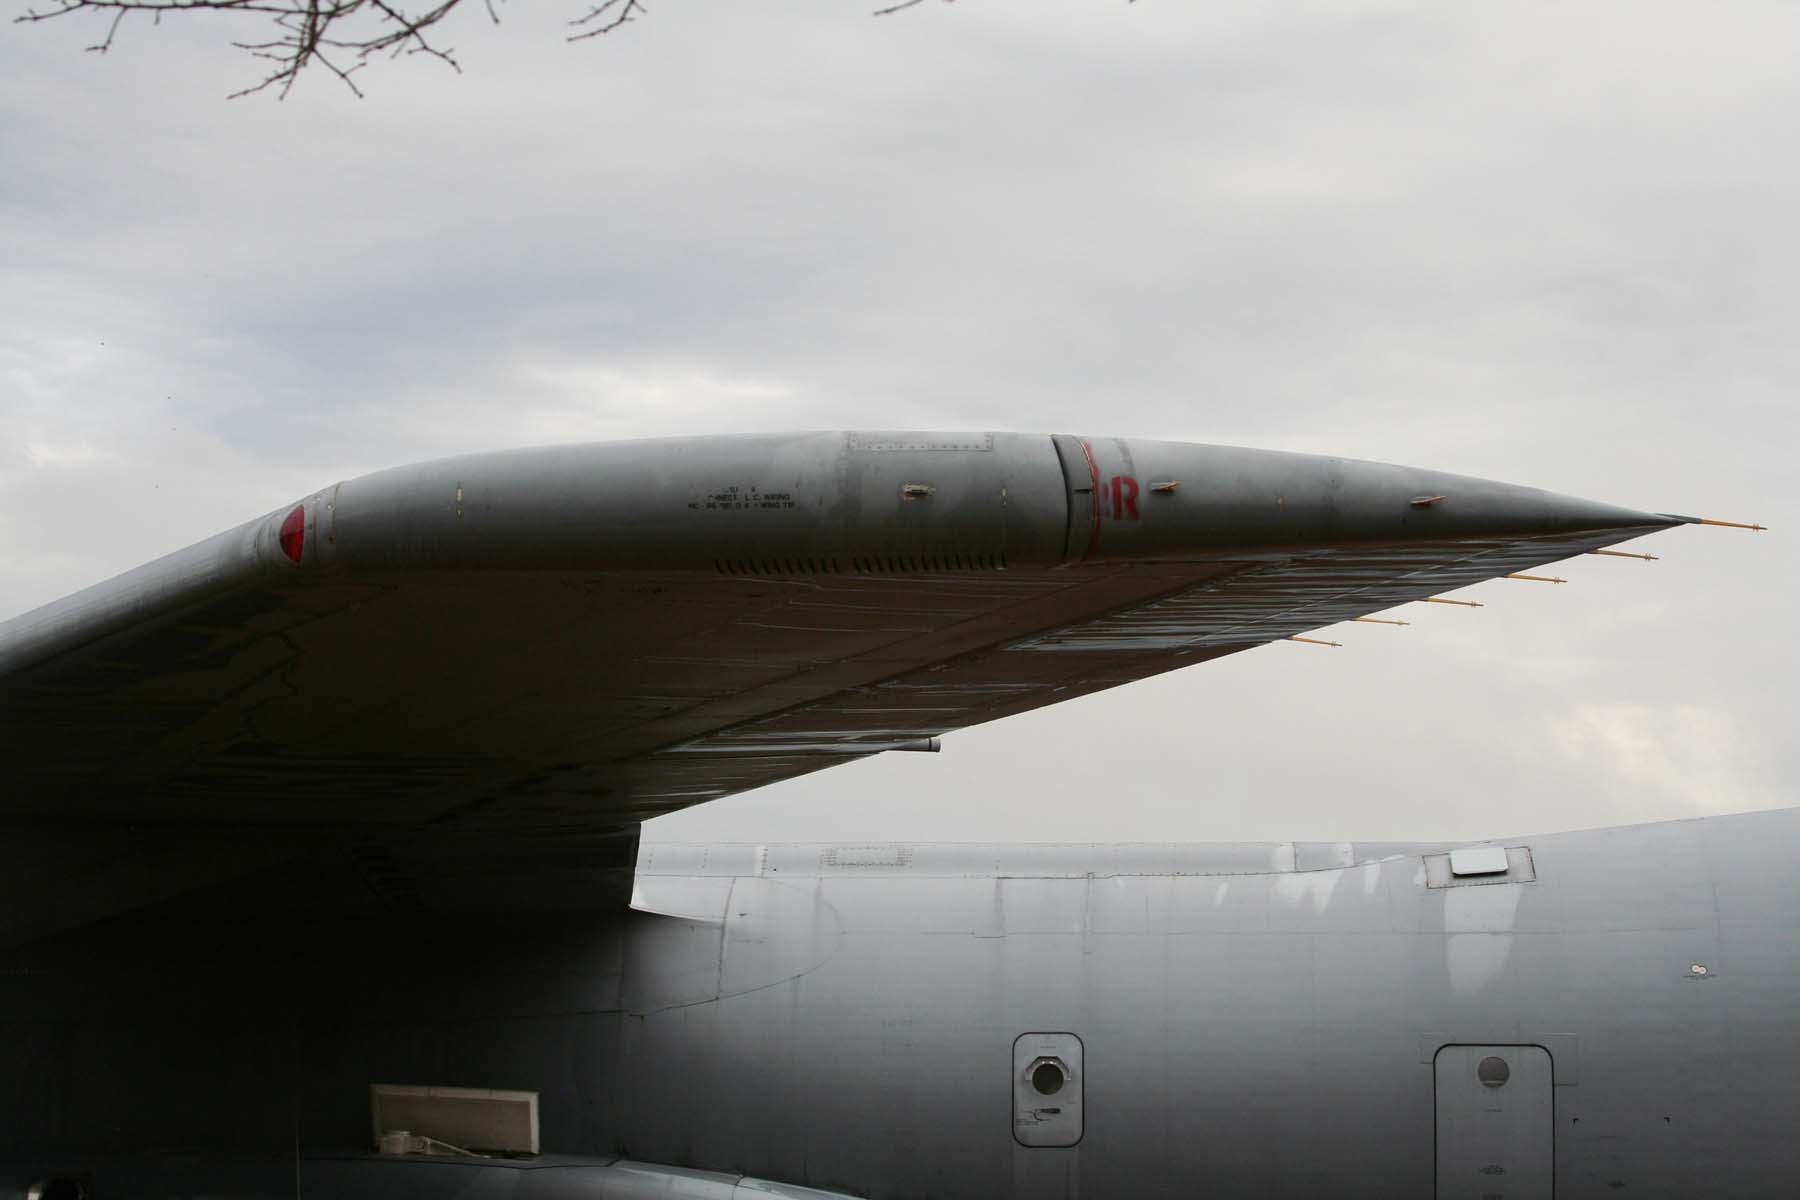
(1541, 244)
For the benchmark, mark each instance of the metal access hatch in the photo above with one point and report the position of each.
(1496, 1123)
(1048, 1080)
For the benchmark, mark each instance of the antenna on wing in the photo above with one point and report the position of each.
(1313, 641)
(1447, 600)
(1535, 578)
(1379, 621)
(1626, 554)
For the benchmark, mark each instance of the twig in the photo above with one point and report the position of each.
(339, 35)
(622, 10)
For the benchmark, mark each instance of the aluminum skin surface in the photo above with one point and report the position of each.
(1290, 1020)
(350, 794)
(480, 674)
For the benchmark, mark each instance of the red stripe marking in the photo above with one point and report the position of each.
(292, 535)
(1093, 545)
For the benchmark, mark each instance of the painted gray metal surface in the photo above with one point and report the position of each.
(416, 1177)
(1496, 1123)
(482, 673)
(848, 1018)
(1271, 1034)
(1048, 1078)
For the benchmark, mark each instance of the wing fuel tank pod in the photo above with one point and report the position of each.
(880, 503)
(1136, 499)
(1048, 1081)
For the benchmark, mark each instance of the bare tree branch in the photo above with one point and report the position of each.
(339, 35)
(342, 36)
(620, 12)
(105, 44)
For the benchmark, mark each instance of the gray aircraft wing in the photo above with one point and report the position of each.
(466, 682)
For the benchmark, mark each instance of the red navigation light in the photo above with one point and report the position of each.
(293, 533)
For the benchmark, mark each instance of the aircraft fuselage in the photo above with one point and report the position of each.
(1610, 1012)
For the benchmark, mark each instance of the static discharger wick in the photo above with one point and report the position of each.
(1710, 521)
(1626, 554)
(1314, 641)
(1535, 578)
(1379, 621)
(1447, 600)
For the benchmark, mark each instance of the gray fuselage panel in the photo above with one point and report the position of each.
(1271, 1034)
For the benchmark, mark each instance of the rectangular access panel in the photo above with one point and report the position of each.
(467, 1118)
(1048, 1080)
(1496, 1123)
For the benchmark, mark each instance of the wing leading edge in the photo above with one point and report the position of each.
(469, 680)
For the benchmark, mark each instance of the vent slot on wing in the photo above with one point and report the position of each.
(868, 564)
(778, 566)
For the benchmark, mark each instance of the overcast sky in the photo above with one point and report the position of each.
(1547, 243)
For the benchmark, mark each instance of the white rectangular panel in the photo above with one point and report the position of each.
(1478, 860)
(469, 1118)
